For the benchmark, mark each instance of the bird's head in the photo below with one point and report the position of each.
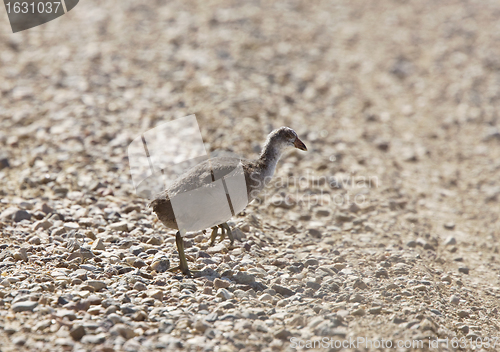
(286, 137)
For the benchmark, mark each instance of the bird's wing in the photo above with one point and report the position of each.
(201, 175)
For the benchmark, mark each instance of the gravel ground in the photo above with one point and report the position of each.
(386, 229)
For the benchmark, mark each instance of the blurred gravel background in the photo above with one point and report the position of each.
(404, 92)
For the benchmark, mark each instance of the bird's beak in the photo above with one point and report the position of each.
(299, 144)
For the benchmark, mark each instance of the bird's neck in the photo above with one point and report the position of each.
(269, 157)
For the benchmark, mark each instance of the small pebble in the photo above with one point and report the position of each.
(119, 226)
(94, 339)
(25, 306)
(21, 215)
(265, 297)
(77, 332)
(450, 241)
(161, 265)
(35, 240)
(224, 294)
(454, 300)
(98, 245)
(358, 312)
(139, 286)
(449, 225)
(218, 283)
(463, 269)
(96, 284)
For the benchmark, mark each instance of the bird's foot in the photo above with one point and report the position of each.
(222, 233)
(226, 227)
(213, 236)
(186, 272)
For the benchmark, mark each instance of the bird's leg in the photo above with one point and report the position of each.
(223, 233)
(213, 236)
(183, 265)
(228, 230)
